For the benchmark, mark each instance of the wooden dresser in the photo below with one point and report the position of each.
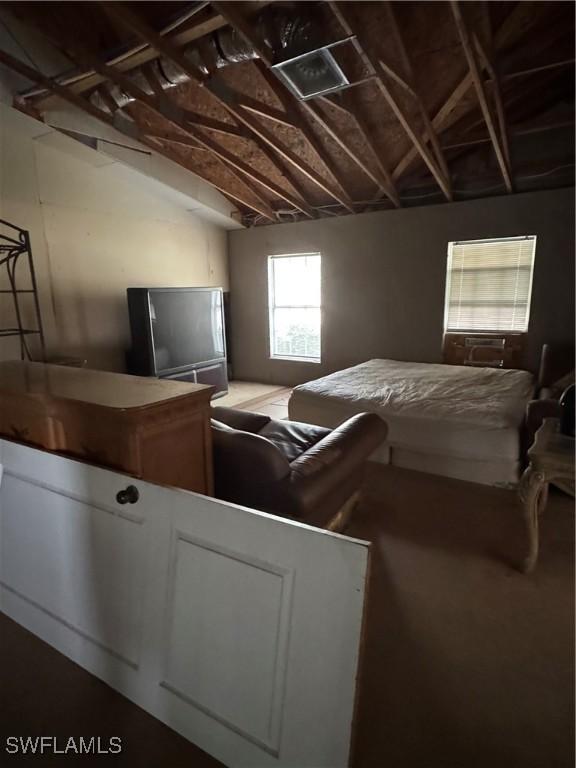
(154, 429)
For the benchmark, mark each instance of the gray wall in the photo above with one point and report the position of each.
(383, 280)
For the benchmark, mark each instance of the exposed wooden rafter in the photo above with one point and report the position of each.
(175, 115)
(514, 131)
(379, 175)
(83, 104)
(264, 110)
(143, 53)
(292, 157)
(222, 95)
(487, 55)
(367, 135)
(198, 120)
(383, 182)
(438, 122)
(164, 107)
(470, 53)
(541, 68)
(373, 66)
(498, 100)
(230, 11)
(172, 137)
(410, 75)
(336, 100)
(440, 92)
(511, 29)
(295, 117)
(51, 85)
(203, 121)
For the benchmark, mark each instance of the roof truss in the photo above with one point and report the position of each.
(345, 151)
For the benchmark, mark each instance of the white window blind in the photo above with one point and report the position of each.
(294, 305)
(489, 285)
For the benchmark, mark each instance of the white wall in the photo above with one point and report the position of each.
(96, 227)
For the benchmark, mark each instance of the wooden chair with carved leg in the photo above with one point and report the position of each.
(551, 459)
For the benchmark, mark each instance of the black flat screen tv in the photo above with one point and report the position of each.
(175, 329)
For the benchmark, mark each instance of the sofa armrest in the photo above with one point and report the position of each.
(243, 459)
(336, 457)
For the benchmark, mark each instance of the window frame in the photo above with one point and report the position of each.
(272, 306)
(449, 273)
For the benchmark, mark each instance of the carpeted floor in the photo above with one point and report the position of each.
(468, 663)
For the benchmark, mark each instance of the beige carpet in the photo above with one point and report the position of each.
(468, 663)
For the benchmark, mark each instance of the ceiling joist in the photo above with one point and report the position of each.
(514, 131)
(415, 105)
(169, 111)
(286, 100)
(476, 75)
(487, 54)
(222, 95)
(511, 30)
(374, 68)
(83, 104)
(229, 11)
(140, 55)
(409, 71)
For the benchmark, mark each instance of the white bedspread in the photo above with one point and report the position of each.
(486, 397)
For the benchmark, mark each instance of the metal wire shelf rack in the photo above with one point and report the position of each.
(15, 249)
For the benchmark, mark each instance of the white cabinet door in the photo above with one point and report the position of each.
(237, 629)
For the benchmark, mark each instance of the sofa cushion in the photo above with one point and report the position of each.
(247, 421)
(292, 437)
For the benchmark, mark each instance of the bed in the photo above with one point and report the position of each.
(458, 421)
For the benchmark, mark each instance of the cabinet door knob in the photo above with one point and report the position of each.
(129, 495)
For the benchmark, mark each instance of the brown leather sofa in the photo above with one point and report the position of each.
(296, 470)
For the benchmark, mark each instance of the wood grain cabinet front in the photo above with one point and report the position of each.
(153, 429)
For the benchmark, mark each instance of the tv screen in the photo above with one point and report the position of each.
(186, 326)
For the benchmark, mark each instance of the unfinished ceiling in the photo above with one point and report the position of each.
(374, 105)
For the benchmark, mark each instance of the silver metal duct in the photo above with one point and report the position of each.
(287, 33)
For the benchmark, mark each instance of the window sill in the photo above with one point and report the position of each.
(485, 333)
(314, 360)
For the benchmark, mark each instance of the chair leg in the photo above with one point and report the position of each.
(343, 517)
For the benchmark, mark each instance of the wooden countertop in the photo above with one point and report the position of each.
(111, 390)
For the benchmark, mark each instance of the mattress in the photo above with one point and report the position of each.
(441, 418)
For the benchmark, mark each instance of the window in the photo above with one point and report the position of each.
(294, 302)
(489, 285)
